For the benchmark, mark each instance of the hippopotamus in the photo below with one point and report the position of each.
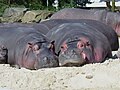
(28, 48)
(97, 25)
(78, 44)
(110, 18)
(39, 27)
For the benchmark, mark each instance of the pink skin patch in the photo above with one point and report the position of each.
(83, 45)
(29, 61)
(117, 28)
(80, 44)
(64, 47)
(36, 49)
(83, 55)
(99, 55)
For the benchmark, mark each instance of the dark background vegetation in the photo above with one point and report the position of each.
(42, 4)
(39, 4)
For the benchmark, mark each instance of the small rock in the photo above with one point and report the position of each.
(89, 76)
(82, 72)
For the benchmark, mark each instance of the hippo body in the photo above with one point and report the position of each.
(110, 18)
(78, 44)
(99, 26)
(39, 27)
(27, 48)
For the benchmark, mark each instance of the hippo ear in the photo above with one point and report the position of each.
(51, 46)
(34, 47)
(30, 45)
(53, 42)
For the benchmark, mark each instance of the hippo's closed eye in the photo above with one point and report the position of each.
(72, 41)
(36, 47)
(64, 47)
(88, 43)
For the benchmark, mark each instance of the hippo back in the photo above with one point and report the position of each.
(62, 32)
(74, 13)
(109, 18)
(99, 26)
(37, 26)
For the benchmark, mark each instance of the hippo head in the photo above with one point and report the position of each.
(3, 54)
(76, 52)
(40, 55)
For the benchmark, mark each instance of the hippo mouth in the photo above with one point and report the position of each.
(72, 62)
(79, 61)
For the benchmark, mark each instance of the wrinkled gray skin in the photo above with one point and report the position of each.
(101, 27)
(77, 44)
(28, 48)
(110, 18)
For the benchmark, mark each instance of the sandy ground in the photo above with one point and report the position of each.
(100, 76)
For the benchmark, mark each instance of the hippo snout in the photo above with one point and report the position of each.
(47, 62)
(71, 58)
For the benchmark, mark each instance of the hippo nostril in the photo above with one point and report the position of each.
(73, 52)
(46, 60)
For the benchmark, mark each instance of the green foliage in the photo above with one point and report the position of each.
(36, 4)
(67, 4)
(2, 8)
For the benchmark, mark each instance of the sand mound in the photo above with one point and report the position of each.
(100, 76)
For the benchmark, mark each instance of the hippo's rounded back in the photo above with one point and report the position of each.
(28, 48)
(97, 25)
(109, 18)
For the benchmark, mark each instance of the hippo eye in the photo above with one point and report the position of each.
(36, 47)
(64, 47)
(88, 43)
(81, 45)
